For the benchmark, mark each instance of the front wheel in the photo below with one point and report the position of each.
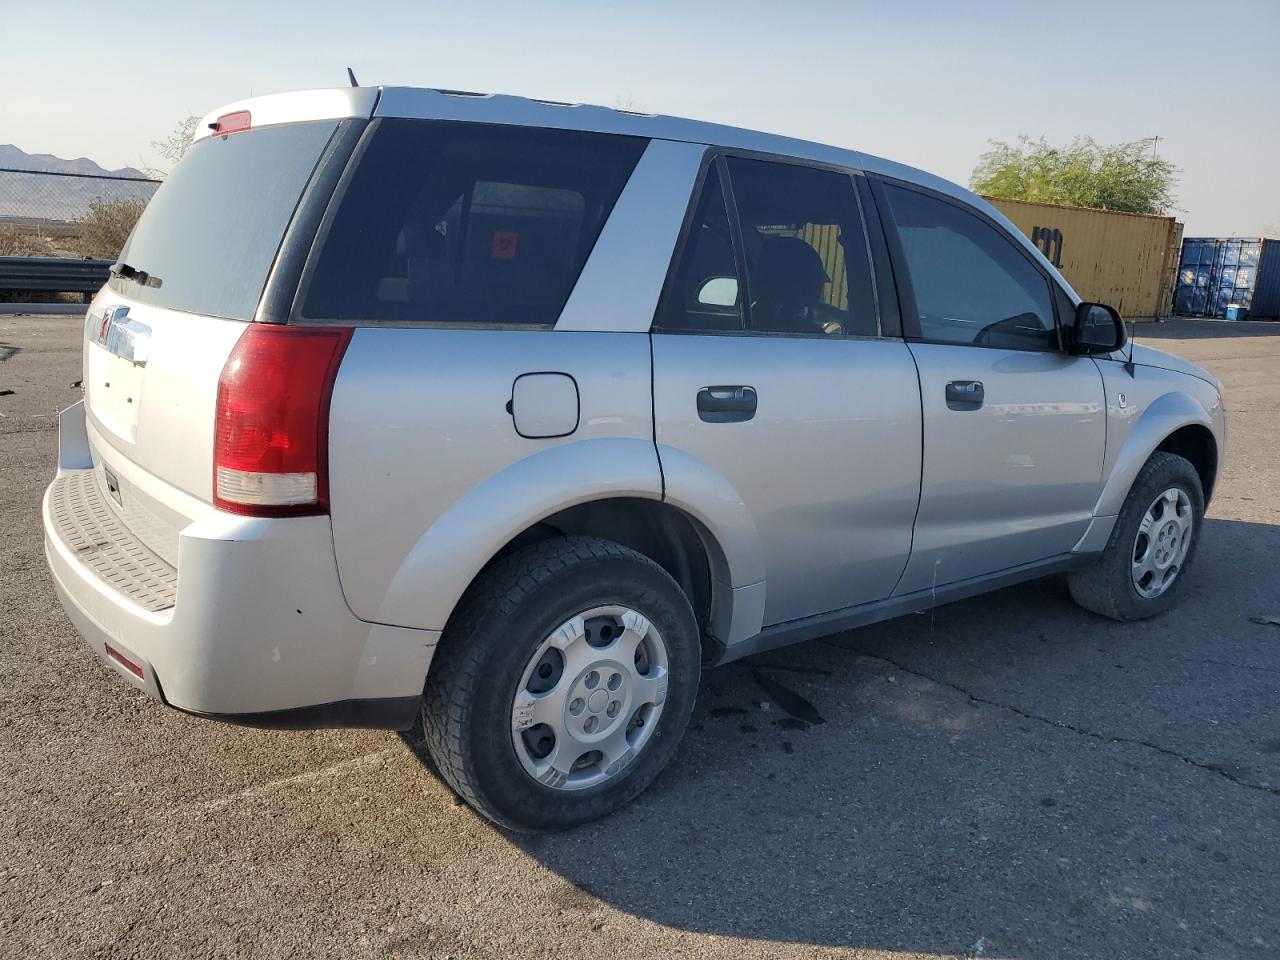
(1152, 546)
(563, 684)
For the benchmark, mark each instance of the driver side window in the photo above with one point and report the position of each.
(971, 284)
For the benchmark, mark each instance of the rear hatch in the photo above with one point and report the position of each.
(187, 286)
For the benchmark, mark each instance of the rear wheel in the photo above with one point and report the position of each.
(563, 684)
(1151, 547)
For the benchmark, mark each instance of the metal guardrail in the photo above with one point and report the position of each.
(53, 275)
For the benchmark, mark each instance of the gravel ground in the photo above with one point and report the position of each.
(1007, 776)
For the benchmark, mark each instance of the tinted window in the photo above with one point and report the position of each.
(971, 284)
(805, 250)
(211, 232)
(704, 292)
(464, 223)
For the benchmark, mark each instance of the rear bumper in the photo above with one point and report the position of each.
(258, 631)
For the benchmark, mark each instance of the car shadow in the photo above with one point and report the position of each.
(1009, 775)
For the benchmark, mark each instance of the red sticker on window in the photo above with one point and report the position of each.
(504, 244)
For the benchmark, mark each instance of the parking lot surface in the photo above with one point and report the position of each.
(1008, 776)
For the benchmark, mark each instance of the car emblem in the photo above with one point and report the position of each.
(121, 334)
(1122, 400)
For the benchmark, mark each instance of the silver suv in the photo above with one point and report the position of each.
(516, 414)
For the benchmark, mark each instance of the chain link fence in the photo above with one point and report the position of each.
(46, 214)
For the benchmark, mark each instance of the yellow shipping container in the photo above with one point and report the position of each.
(1127, 260)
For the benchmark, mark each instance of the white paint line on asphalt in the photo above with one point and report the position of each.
(310, 776)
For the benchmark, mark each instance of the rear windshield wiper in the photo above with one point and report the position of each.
(126, 272)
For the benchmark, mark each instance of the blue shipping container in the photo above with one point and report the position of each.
(1218, 273)
(1266, 291)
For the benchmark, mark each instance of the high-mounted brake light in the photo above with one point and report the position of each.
(232, 122)
(271, 436)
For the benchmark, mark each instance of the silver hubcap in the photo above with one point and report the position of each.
(1163, 542)
(590, 698)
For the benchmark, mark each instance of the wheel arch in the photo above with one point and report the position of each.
(1195, 442)
(667, 535)
(1174, 422)
(610, 488)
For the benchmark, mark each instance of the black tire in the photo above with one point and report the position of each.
(487, 645)
(1107, 587)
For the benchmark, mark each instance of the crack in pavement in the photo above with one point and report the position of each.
(1246, 667)
(36, 423)
(1221, 770)
(306, 777)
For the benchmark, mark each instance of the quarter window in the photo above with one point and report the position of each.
(463, 223)
(971, 284)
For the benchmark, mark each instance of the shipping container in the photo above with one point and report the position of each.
(1265, 304)
(1216, 274)
(1126, 260)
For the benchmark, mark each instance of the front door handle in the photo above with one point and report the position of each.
(726, 404)
(965, 394)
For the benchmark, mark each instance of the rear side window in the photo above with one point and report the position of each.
(209, 236)
(807, 266)
(461, 223)
(802, 243)
(704, 294)
(971, 284)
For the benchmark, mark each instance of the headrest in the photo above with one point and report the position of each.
(416, 243)
(788, 270)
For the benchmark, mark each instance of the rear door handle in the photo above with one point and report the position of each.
(726, 404)
(965, 394)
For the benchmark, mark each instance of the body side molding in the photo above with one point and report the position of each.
(808, 628)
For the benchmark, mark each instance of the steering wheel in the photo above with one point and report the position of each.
(827, 319)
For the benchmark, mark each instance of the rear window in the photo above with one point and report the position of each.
(461, 223)
(210, 234)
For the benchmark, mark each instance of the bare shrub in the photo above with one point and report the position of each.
(15, 242)
(107, 226)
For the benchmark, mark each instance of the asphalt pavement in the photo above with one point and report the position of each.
(1007, 776)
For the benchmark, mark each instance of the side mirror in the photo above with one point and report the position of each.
(1097, 329)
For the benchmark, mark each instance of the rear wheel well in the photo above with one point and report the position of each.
(1196, 444)
(657, 530)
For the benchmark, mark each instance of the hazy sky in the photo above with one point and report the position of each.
(925, 83)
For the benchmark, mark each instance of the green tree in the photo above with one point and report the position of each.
(1124, 176)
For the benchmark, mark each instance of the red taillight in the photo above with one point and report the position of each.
(231, 122)
(271, 436)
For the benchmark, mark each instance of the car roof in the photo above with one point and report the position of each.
(438, 104)
(441, 104)
(430, 103)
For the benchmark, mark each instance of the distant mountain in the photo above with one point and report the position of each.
(31, 197)
(17, 159)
